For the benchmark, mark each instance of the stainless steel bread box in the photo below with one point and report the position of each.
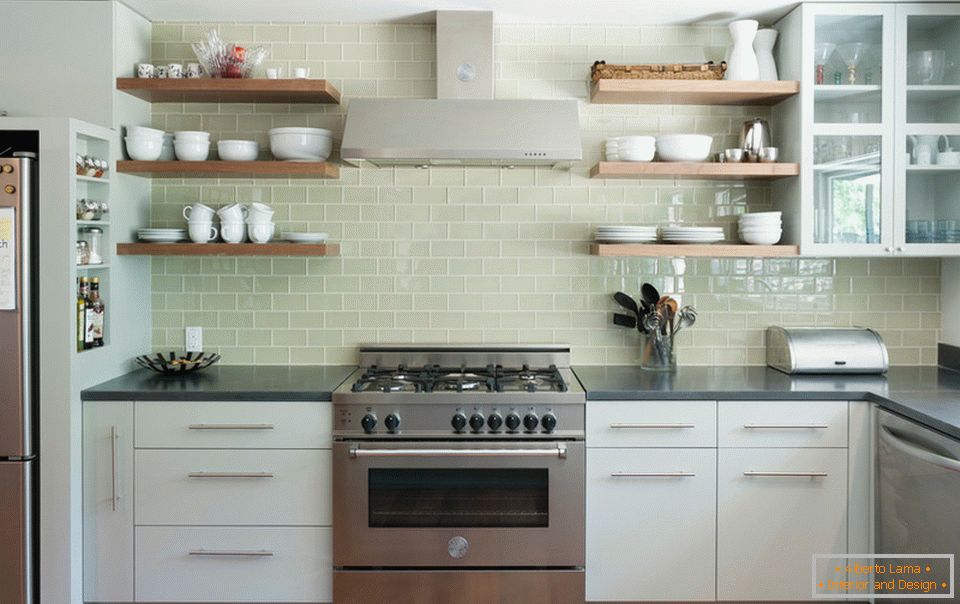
(826, 350)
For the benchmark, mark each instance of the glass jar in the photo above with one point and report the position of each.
(94, 237)
(83, 253)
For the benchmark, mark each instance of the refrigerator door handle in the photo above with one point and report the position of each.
(114, 435)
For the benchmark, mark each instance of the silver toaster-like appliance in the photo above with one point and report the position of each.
(826, 350)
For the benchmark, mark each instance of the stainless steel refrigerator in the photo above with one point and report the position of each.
(18, 378)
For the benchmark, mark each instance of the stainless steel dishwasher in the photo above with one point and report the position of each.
(918, 489)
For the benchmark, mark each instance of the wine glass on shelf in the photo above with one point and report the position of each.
(852, 54)
(823, 52)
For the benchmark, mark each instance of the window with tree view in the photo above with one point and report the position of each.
(847, 189)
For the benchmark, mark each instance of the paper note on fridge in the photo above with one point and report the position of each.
(8, 259)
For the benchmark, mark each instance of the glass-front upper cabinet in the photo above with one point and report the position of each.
(848, 64)
(927, 152)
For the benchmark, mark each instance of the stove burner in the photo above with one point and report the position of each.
(492, 378)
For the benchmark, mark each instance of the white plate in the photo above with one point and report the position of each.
(635, 227)
(304, 237)
(691, 229)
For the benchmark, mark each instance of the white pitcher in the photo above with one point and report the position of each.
(742, 64)
(926, 147)
(763, 46)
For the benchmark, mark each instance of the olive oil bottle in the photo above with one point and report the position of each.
(82, 293)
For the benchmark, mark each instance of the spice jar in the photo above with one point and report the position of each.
(83, 253)
(94, 238)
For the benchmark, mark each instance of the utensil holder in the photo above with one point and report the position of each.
(658, 353)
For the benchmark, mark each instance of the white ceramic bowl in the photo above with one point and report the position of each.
(235, 150)
(762, 215)
(144, 148)
(191, 136)
(633, 140)
(301, 143)
(636, 155)
(144, 131)
(763, 222)
(191, 151)
(761, 238)
(684, 147)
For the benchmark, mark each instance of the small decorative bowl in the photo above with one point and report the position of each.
(173, 363)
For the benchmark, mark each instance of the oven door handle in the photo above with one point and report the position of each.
(560, 452)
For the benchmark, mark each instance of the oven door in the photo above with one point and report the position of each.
(462, 504)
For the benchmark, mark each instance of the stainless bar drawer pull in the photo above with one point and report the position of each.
(616, 426)
(785, 474)
(256, 553)
(230, 475)
(559, 451)
(786, 426)
(651, 474)
(230, 426)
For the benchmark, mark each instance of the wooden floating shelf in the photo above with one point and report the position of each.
(228, 249)
(701, 171)
(694, 250)
(693, 92)
(227, 90)
(230, 169)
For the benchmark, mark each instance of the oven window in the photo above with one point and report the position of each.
(430, 498)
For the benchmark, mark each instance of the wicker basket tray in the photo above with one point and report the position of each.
(678, 71)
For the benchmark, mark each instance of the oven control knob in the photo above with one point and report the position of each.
(476, 422)
(548, 422)
(530, 422)
(513, 422)
(495, 421)
(458, 422)
(369, 422)
(392, 422)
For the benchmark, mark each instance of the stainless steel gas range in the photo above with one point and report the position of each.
(458, 475)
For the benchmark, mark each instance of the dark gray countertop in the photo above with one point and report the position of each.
(226, 383)
(928, 395)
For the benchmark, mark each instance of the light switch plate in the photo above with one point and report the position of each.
(194, 339)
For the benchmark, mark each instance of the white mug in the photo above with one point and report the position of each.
(232, 213)
(175, 71)
(948, 158)
(198, 213)
(301, 72)
(274, 73)
(202, 232)
(194, 70)
(145, 70)
(232, 232)
(260, 232)
(160, 71)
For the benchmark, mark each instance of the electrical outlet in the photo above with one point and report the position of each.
(194, 339)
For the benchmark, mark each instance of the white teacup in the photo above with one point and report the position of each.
(202, 232)
(260, 232)
(193, 70)
(232, 232)
(274, 73)
(145, 70)
(160, 71)
(232, 213)
(198, 213)
(301, 72)
(175, 71)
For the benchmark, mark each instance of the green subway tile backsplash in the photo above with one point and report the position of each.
(494, 255)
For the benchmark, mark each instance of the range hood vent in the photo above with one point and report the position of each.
(465, 126)
(450, 132)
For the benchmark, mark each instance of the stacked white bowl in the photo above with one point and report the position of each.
(260, 226)
(684, 147)
(237, 150)
(761, 228)
(630, 148)
(191, 145)
(144, 144)
(301, 144)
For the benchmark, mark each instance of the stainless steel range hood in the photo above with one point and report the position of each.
(465, 126)
(474, 132)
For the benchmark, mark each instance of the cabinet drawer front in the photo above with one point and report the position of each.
(233, 487)
(783, 424)
(652, 424)
(206, 564)
(776, 508)
(240, 425)
(660, 506)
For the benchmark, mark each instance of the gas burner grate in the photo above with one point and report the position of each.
(436, 378)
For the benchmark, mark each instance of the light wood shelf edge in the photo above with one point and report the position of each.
(694, 250)
(229, 169)
(228, 249)
(693, 92)
(693, 170)
(245, 90)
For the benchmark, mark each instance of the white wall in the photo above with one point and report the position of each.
(950, 300)
(57, 59)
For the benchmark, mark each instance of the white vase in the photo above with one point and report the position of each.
(742, 64)
(763, 46)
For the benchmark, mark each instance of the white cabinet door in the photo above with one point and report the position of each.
(782, 424)
(652, 424)
(108, 501)
(776, 508)
(651, 522)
